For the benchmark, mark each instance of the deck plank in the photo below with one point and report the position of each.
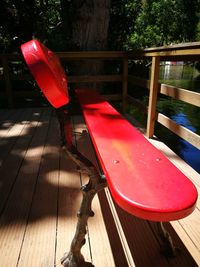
(40, 196)
(40, 238)
(16, 154)
(97, 238)
(7, 119)
(13, 220)
(188, 228)
(68, 205)
(11, 131)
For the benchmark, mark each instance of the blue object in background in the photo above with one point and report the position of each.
(189, 153)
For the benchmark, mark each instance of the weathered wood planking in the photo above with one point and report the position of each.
(40, 238)
(13, 221)
(97, 234)
(39, 205)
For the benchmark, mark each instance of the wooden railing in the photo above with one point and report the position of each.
(183, 52)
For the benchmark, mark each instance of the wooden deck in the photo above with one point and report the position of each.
(40, 195)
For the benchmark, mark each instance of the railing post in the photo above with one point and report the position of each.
(7, 81)
(153, 96)
(124, 84)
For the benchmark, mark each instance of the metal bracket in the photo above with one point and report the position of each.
(167, 245)
(96, 183)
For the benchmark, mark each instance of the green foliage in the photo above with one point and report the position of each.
(164, 22)
(198, 31)
(193, 115)
(169, 106)
(133, 23)
(123, 16)
(141, 117)
(22, 20)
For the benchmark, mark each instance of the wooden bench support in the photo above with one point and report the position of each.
(167, 245)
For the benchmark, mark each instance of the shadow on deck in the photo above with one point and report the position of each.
(40, 195)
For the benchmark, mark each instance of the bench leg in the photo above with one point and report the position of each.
(96, 183)
(168, 247)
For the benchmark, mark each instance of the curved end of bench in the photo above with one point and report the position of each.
(46, 69)
(164, 214)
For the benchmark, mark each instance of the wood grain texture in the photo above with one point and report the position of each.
(38, 218)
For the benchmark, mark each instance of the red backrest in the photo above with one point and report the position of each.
(46, 68)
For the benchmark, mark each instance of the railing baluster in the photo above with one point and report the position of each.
(153, 96)
(124, 84)
(8, 85)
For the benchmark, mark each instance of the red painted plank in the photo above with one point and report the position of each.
(141, 179)
(47, 71)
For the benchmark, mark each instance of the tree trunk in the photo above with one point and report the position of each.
(88, 26)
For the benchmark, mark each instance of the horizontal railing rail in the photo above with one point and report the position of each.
(10, 73)
(9, 77)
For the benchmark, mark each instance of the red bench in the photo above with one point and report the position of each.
(141, 179)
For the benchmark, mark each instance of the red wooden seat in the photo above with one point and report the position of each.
(47, 71)
(141, 179)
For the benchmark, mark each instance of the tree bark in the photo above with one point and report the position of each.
(90, 24)
(87, 23)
